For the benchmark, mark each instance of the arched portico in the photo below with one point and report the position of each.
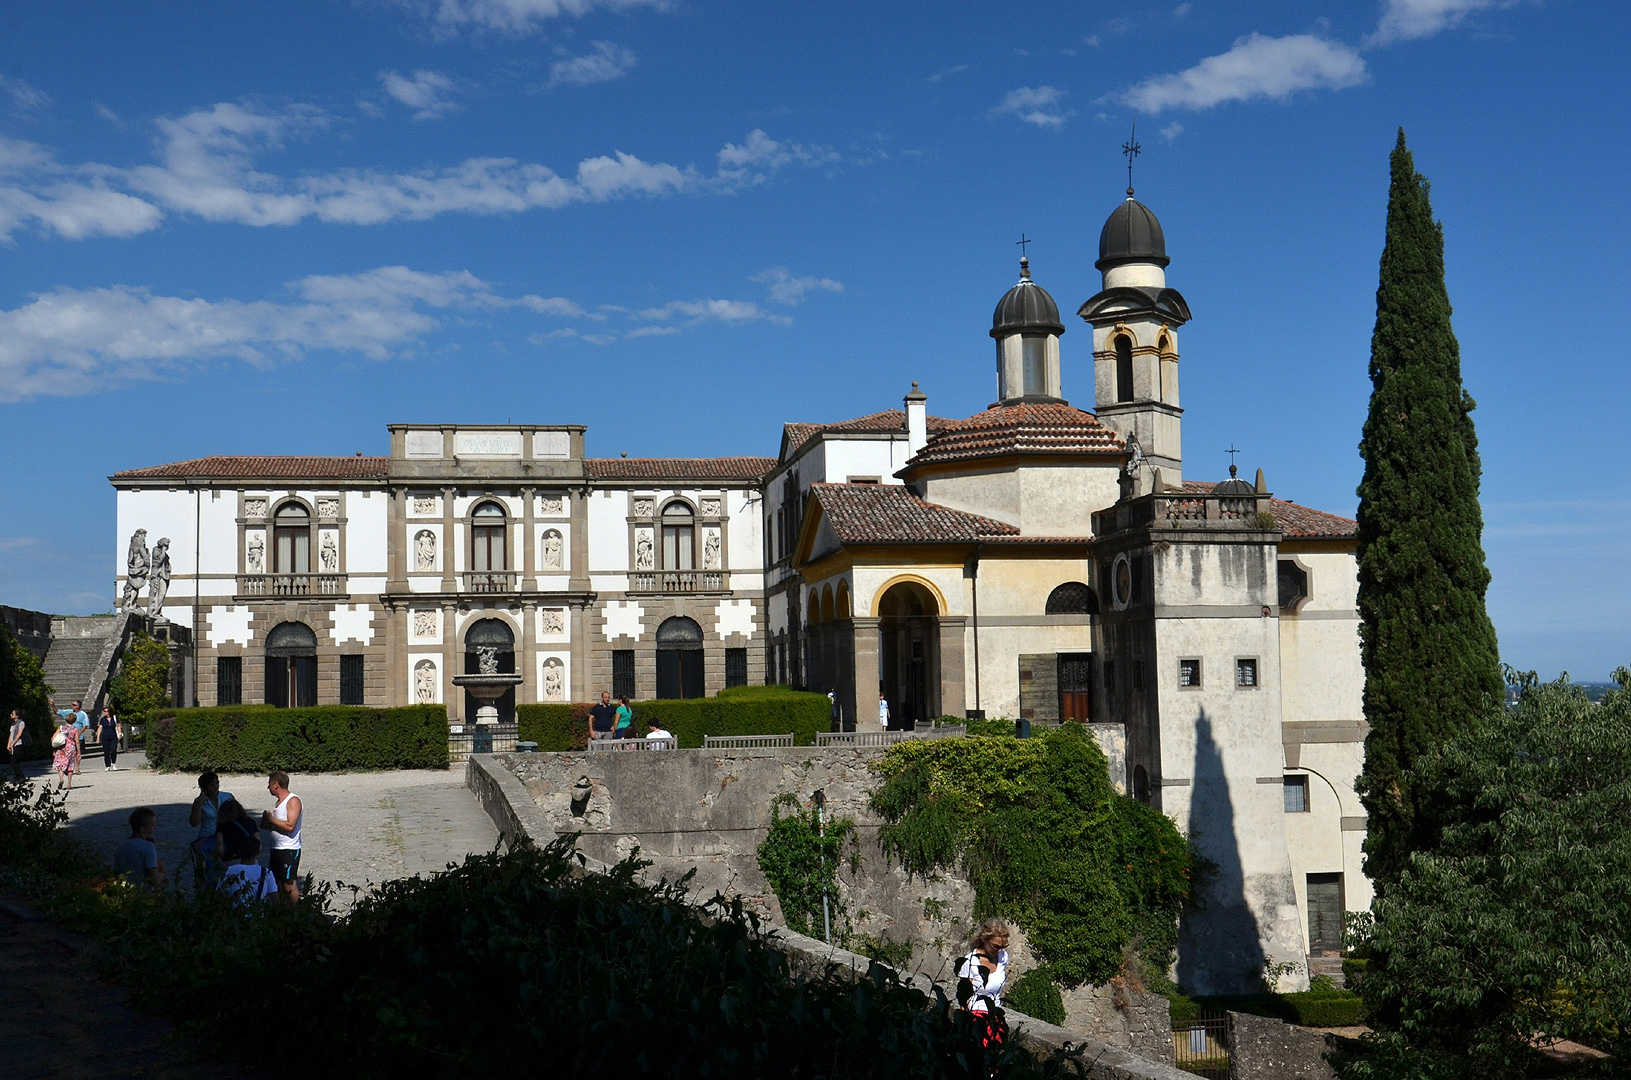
(909, 652)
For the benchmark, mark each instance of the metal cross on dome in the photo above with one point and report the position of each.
(1132, 150)
(1232, 451)
(1021, 242)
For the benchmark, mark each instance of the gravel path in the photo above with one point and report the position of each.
(360, 828)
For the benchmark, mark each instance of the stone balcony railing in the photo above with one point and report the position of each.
(679, 581)
(1186, 510)
(291, 585)
(489, 581)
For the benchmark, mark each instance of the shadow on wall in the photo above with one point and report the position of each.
(1220, 950)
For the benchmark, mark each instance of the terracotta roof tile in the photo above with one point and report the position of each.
(720, 468)
(889, 420)
(1020, 428)
(1295, 520)
(264, 468)
(892, 514)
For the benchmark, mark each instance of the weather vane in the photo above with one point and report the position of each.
(1132, 150)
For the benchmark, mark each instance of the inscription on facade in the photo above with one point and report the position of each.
(551, 444)
(487, 444)
(423, 444)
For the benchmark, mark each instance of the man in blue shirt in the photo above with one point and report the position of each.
(137, 857)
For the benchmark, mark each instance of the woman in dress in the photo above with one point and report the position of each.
(981, 977)
(65, 760)
(624, 728)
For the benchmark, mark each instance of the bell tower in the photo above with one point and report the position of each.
(1135, 320)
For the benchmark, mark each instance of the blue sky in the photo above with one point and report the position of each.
(236, 227)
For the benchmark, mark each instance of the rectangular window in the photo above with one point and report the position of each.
(351, 684)
(736, 667)
(623, 673)
(1246, 673)
(229, 680)
(1189, 673)
(1034, 360)
(1296, 794)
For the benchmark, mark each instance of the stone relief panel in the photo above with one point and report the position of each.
(427, 505)
(710, 507)
(328, 552)
(552, 505)
(554, 679)
(424, 550)
(328, 509)
(424, 682)
(711, 552)
(423, 444)
(254, 508)
(643, 507)
(551, 621)
(644, 550)
(255, 553)
(550, 550)
(551, 444)
(427, 624)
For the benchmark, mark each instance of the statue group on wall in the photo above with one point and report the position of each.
(146, 568)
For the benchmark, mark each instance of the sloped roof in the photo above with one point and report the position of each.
(1021, 427)
(892, 514)
(889, 420)
(1294, 519)
(223, 467)
(720, 468)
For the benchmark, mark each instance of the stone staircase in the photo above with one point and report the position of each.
(1327, 965)
(84, 654)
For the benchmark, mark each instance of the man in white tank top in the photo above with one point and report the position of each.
(283, 821)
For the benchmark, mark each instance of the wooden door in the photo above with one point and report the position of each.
(1076, 686)
(1325, 914)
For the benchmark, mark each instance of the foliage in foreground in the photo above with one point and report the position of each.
(1428, 647)
(1095, 879)
(800, 863)
(1518, 924)
(23, 686)
(511, 964)
(324, 738)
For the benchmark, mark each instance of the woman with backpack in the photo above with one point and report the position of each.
(981, 976)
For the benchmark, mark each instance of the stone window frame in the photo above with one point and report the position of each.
(1298, 780)
(274, 506)
(468, 520)
(1256, 668)
(660, 517)
(1308, 578)
(1200, 671)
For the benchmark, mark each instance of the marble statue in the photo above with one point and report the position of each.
(424, 550)
(424, 683)
(329, 555)
(710, 551)
(1135, 455)
(552, 550)
(710, 507)
(159, 581)
(136, 566)
(256, 559)
(553, 689)
(642, 551)
(487, 659)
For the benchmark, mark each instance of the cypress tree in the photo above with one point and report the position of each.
(1431, 662)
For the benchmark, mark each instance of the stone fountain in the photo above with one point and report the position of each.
(488, 684)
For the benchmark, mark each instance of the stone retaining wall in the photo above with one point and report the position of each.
(1263, 1048)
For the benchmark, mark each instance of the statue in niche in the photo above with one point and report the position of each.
(551, 504)
(552, 550)
(159, 580)
(642, 551)
(424, 683)
(329, 555)
(424, 624)
(552, 620)
(424, 550)
(554, 689)
(710, 550)
(256, 559)
(487, 659)
(328, 508)
(254, 508)
(136, 567)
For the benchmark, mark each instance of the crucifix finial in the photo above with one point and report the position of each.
(1021, 242)
(1132, 150)
(1232, 451)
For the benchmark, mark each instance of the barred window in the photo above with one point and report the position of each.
(351, 680)
(1246, 673)
(736, 667)
(229, 680)
(623, 673)
(1189, 673)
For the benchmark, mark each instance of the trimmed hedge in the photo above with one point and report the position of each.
(1309, 1008)
(327, 738)
(745, 710)
(1338, 1008)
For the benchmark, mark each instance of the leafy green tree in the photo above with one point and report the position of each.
(142, 684)
(23, 686)
(1431, 662)
(1518, 924)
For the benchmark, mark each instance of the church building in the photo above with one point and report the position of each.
(1036, 560)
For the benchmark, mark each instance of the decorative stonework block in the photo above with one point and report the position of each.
(734, 617)
(552, 505)
(230, 624)
(328, 509)
(352, 622)
(427, 624)
(623, 619)
(254, 508)
(644, 507)
(710, 507)
(551, 621)
(425, 505)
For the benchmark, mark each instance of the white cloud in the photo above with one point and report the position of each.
(759, 157)
(26, 101)
(948, 73)
(606, 63)
(784, 288)
(427, 92)
(1039, 105)
(699, 311)
(1407, 20)
(1182, 11)
(1172, 131)
(107, 114)
(1255, 67)
(518, 17)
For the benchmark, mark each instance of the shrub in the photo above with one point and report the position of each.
(994, 729)
(327, 738)
(141, 687)
(741, 710)
(22, 686)
(553, 726)
(1331, 1008)
(800, 864)
(1034, 994)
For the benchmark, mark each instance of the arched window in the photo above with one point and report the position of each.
(1073, 598)
(679, 658)
(291, 666)
(291, 540)
(679, 538)
(488, 526)
(1124, 368)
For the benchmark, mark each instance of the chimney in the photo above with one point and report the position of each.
(917, 420)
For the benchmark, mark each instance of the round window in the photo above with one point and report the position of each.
(1123, 575)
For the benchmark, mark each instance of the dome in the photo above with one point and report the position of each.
(1234, 485)
(1027, 306)
(1131, 235)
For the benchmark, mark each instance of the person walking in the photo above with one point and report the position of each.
(883, 711)
(981, 977)
(284, 822)
(624, 728)
(602, 717)
(203, 816)
(137, 857)
(108, 733)
(65, 754)
(16, 739)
